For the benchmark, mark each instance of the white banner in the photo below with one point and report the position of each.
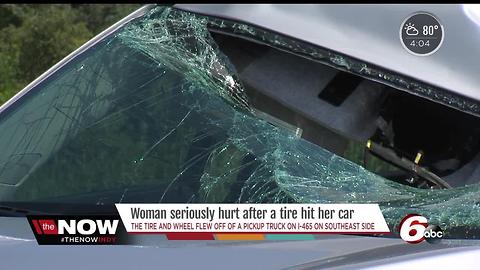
(253, 218)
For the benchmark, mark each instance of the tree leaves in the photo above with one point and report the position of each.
(35, 37)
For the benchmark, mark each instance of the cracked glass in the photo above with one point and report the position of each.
(156, 113)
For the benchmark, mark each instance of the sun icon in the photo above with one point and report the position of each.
(409, 25)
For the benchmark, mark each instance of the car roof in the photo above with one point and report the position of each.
(370, 32)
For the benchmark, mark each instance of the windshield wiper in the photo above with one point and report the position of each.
(21, 209)
(9, 211)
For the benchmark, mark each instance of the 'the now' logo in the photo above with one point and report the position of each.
(82, 227)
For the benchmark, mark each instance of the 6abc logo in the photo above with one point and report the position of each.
(414, 229)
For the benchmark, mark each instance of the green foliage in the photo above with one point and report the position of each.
(35, 37)
(98, 17)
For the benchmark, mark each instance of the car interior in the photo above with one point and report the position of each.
(394, 133)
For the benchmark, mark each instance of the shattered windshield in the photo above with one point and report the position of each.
(156, 113)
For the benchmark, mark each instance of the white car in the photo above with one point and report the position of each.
(259, 104)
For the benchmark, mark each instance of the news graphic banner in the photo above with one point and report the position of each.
(219, 220)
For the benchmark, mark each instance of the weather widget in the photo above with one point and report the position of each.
(421, 34)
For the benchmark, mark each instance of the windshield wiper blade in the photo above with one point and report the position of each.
(9, 211)
(12, 208)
